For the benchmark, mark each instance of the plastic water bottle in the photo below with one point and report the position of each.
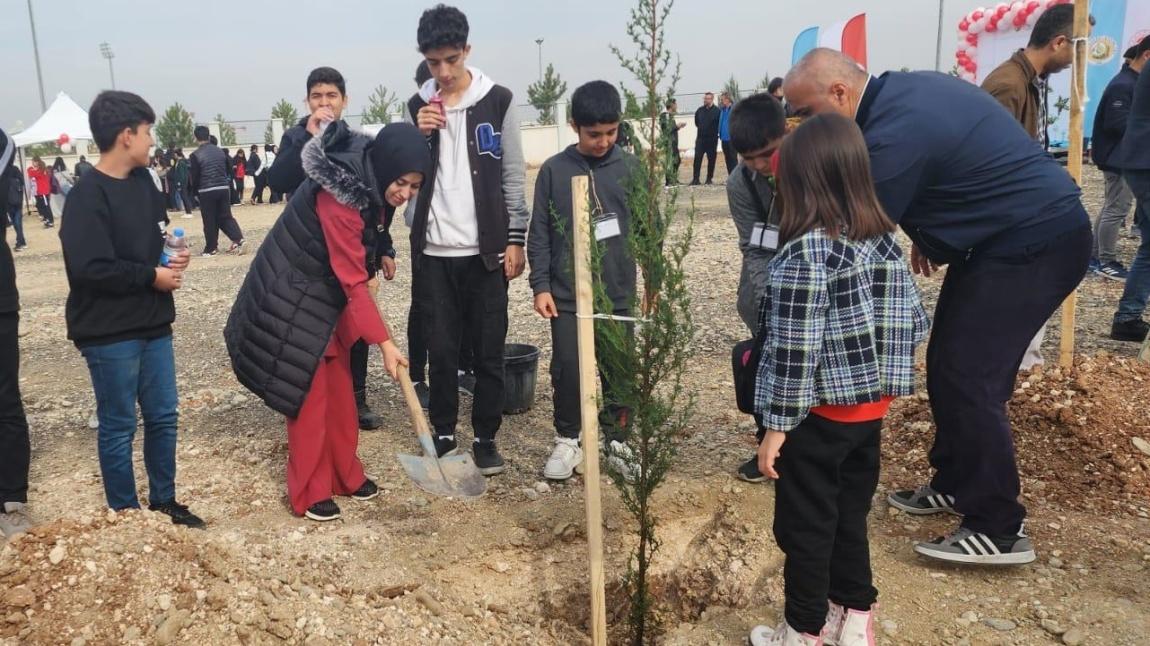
(174, 243)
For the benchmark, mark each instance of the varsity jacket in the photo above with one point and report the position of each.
(497, 174)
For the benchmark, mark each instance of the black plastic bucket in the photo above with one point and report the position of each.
(520, 372)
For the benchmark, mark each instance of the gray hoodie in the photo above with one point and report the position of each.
(549, 242)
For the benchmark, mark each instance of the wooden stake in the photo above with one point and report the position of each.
(585, 309)
(1074, 163)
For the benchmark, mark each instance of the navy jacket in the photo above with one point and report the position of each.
(1110, 119)
(957, 172)
(1134, 152)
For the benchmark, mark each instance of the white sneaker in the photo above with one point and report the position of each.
(566, 459)
(14, 519)
(847, 627)
(621, 460)
(784, 635)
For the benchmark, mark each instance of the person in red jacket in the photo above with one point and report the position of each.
(239, 171)
(41, 178)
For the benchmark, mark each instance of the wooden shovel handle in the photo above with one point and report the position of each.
(416, 410)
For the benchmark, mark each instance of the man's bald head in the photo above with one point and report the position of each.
(825, 81)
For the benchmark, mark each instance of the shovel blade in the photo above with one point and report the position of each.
(452, 475)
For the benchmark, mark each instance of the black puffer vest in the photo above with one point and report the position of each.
(288, 306)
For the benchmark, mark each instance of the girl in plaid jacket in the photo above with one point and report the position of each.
(840, 321)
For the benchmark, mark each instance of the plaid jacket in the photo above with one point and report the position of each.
(839, 324)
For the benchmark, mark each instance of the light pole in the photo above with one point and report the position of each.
(938, 50)
(539, 42)
(106, 52)
(36, 54)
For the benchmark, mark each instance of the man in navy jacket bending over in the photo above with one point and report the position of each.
(973, 191)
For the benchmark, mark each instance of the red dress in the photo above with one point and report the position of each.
(322, 441)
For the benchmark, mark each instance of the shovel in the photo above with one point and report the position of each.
(451, 475)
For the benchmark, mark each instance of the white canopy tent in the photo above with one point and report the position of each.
(63, 117)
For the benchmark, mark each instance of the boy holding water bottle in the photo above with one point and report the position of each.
(120, 307)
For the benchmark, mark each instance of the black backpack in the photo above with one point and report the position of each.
(745, 358)
(14, 195)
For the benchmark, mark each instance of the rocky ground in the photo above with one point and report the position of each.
(510, 568)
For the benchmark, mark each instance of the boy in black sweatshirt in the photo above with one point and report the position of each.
(595, 116)
(120, 307)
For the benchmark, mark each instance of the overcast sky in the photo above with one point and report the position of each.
(238, 57)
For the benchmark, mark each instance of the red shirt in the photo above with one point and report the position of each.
(240, 169)
(43, 180)
(343, 232)
(854, 413)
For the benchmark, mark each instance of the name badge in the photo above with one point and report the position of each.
(765, 237)
(606, 226)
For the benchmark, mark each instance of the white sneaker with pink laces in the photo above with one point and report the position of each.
(847, 627)
(784, 635)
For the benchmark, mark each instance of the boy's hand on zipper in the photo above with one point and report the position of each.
(769, 450)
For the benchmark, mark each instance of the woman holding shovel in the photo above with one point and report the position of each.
(305, 302)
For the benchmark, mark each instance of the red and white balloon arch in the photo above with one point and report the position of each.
(1018, 15)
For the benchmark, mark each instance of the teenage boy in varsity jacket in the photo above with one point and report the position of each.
(469, 227)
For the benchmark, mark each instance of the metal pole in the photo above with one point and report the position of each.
(938, 50)
(112, 71)
(539, 42)
(36, 54)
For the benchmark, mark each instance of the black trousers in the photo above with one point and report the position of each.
(673, 163)
(417, 333)
(730, 157)
(216, 211)
(44, 208)
(15, 449)
(989, 309)
(464, 299)
(239, 194)
(709, 148)
(565, 380)
(828, 472)
(258, 185)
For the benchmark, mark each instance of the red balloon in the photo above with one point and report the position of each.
(1001, 11)
(1032, 5)
(977, 15)
(992, 26)
(63, 139)
(964, 25)
(972, 39)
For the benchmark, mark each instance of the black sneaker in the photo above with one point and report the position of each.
(487, 457)
(467, 383)
(323, 511)
(366, 491)
(368, 420)
(444, 445)
(967, 546)
(1132, 330)
(923, 501)
(179, 514)
(423, 394)
(749, 471)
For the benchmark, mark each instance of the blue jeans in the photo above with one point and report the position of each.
(16, 216)
(122, 374)
(1137, 291)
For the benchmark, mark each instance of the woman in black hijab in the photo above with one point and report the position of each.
(305, 303)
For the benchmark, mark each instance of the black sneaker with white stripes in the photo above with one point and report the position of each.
(968, 546)
(922, 502)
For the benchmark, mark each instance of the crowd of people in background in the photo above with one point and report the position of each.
(825, 289)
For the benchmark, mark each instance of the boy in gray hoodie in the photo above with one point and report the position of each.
(595, 116)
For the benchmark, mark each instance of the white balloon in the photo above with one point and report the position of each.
(1007, 21)
(66, 148)
(1017, 6)
(1032, 18)
(972, 53)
